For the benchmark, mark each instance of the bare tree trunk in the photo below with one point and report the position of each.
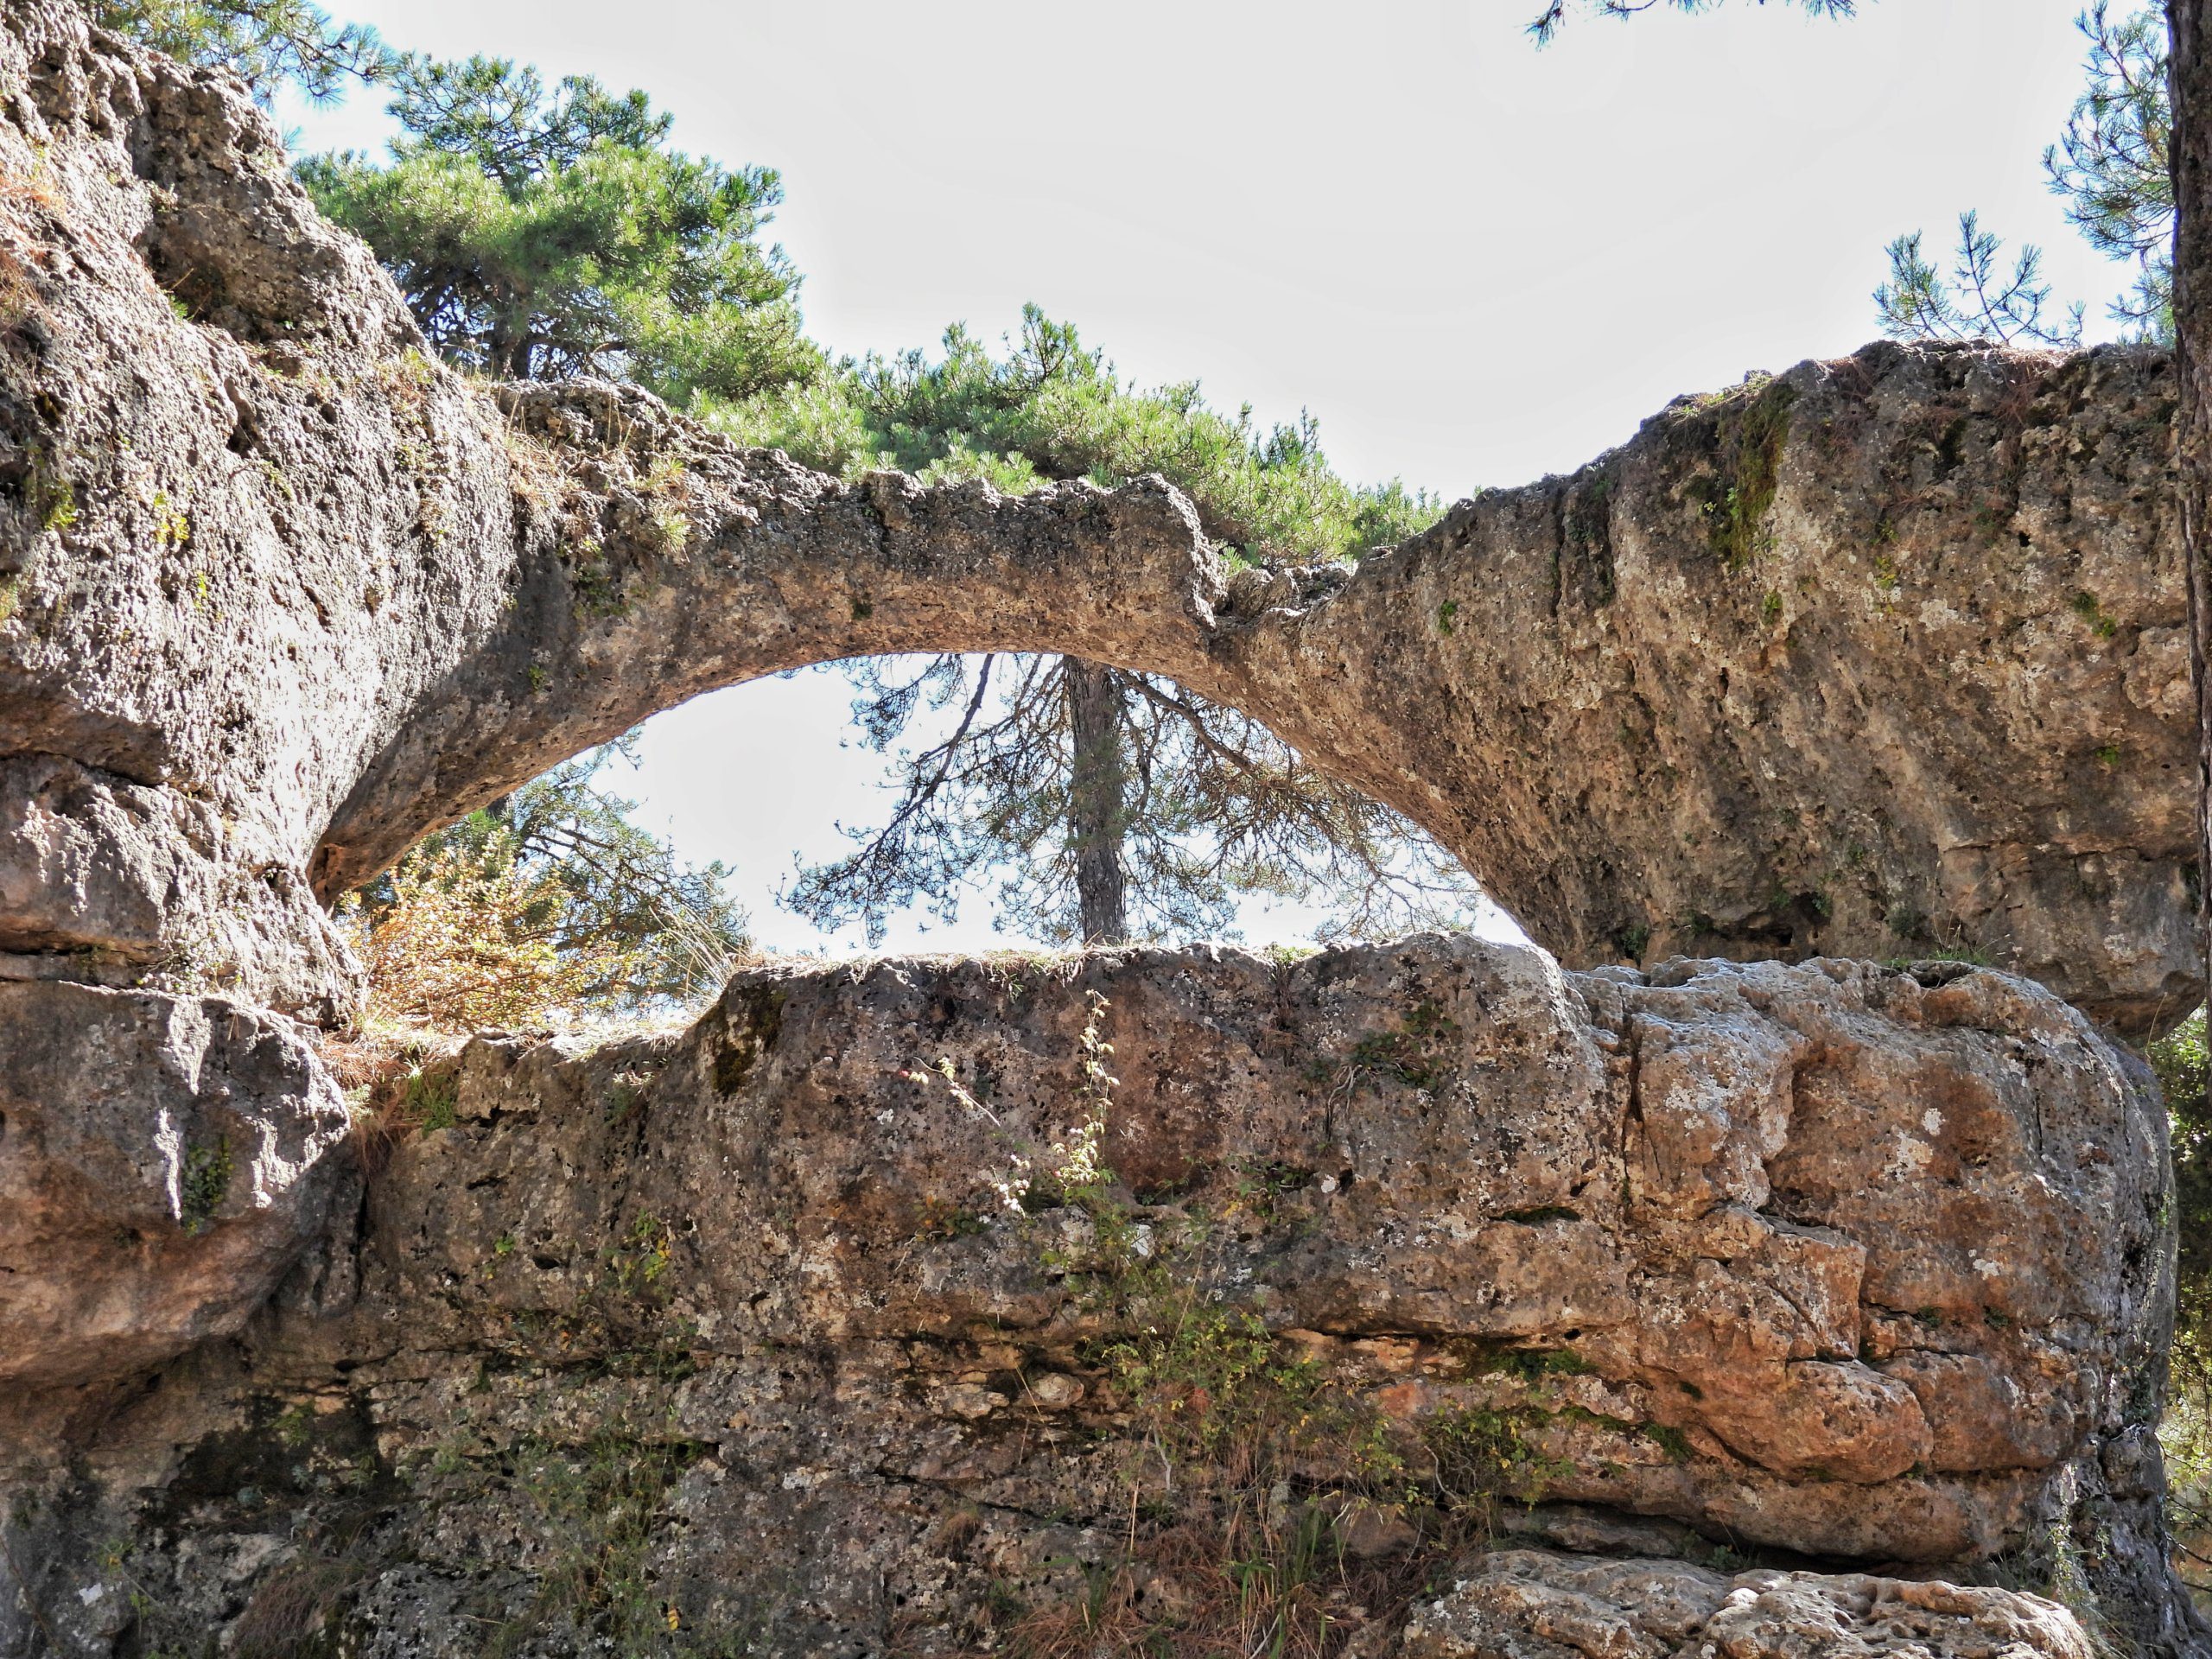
(2190, 155)
(1097, 800)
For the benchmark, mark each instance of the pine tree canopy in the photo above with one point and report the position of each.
(540, 234)
(1049, 409)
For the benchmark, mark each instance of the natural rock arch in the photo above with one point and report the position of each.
(1885, 656)
(1857, 720)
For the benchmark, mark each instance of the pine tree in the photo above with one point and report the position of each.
(558, 871)
(1112, 804)
(2111, 166)
(2113, 163)
(544, 233)
(1977, 299)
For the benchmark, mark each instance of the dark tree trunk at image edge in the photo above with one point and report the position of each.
(2191, 154)
(1096, 800)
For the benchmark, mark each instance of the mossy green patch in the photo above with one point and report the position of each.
(1754, 428)
(203, 1184)
(1418, 1053)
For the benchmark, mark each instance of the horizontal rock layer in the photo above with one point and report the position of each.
(1828, 1264)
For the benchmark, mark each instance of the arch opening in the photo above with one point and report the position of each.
(930, 803)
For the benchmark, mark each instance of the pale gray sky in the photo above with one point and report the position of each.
(1475, 263)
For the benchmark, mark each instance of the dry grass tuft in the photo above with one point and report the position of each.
(33, 190)
(1240, 1585)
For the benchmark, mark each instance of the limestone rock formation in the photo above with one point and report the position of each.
(163, 1162)
(1823, 1263)
(1611, 1609)
(734, 1337)
(1882, 656)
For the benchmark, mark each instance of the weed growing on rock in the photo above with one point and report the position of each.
(1272, 1506)
(1418, 1053)
(18, 297)
(2183, 1064)
(1481, 1454)
(298, 1610)
(429, 1102)
(597, 1510)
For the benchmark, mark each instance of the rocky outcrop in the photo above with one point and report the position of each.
(1882, 656)
(1599, 1608)
(1812, 1299)
(1825, 1269)
(163, 1162)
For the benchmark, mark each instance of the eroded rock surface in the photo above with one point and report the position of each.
(1883, 655)
(164, 1161)
(1523, 1605)
(1828, 1264)
(731, 1337)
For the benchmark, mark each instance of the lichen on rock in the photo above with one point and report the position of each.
(1600, 1609)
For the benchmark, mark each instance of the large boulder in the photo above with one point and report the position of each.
(163, 1162)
